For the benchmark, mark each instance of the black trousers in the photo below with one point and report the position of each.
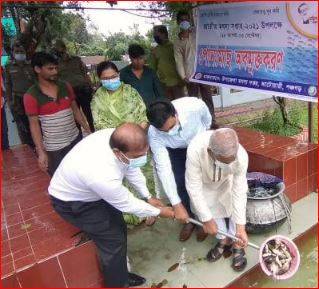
(83, 99)
(205, 91)
(178, 161)
(56, 157)
(23, 126)
(4, 129)
(106, 227)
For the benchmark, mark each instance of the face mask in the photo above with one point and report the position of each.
(20, 57)
(184, 25)
(221, 165)
(175, 130)
(59, 53)
(111, 84)
(137, 162)
(157, 39)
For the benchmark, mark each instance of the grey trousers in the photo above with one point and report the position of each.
(106, 227)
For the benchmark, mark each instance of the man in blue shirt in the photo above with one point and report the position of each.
(172, 127)
(141, 77)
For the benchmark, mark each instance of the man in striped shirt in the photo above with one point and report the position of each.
(51, 103)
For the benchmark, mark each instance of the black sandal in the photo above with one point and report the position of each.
(239, 262)
(217, 252)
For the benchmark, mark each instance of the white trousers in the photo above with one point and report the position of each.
(221, 225)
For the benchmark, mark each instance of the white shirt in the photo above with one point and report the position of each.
(216, 192)
(91, 172)
(194, 117)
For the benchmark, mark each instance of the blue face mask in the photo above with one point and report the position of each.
(137, 162)
(20, 57)
(175, 130)
(111, 84)
(184, 25)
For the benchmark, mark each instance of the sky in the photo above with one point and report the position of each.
(116, 21)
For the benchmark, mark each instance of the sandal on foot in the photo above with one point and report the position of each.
(239, 261)
(217, 252)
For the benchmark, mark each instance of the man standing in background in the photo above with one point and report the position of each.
(163, 62)
(141, 77)
(19, 78)
(184, 52)
(52, 103)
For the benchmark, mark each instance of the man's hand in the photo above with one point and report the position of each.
(186, 80)
(181, 213)
(155, 202)
(210, 227)
(166, 212)
(242, 235)
(43, 161)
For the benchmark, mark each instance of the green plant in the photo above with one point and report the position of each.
(272, 122)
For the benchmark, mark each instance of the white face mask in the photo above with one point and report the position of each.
(221, 165)
(175, 130)
(137, 162)
(185, 25)
(20, 57)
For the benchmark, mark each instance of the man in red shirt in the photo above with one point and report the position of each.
(51, 103)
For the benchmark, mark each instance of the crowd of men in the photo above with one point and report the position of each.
(156, 108)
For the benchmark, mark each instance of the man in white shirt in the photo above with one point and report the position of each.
(87, 191)
(216, 182)
(184, 53)
(172, 126)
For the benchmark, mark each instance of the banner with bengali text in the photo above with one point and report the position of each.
(266, 46)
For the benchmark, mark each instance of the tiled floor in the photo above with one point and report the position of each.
(31, 230)
(36, 242)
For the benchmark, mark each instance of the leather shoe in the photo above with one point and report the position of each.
(186, 232)
(201, 235)
(135, 280)
(214, 125)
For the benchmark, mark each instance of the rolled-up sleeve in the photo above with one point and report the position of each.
(121, 198)
(205, 114)
(164, 169)
(239, 189)
(194, 185)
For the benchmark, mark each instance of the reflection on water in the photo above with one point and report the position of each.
(307, 275)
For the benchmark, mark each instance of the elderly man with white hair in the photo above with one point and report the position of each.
(216, 168)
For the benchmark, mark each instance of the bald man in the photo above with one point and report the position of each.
(87, 191)
(216, 168)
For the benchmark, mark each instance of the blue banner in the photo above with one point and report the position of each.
(268, 46)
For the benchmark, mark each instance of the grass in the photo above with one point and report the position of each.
(304, 120)
(272, 122)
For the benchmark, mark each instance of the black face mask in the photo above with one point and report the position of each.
(158, 39)
(59, 54)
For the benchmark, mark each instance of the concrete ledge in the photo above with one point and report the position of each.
(153, 250)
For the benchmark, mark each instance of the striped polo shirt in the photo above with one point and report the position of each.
(56, 116)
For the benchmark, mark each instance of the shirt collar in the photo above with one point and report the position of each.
(181, 117)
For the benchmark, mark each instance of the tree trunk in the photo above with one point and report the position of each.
(282, 103)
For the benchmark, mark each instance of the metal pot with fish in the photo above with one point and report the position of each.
(267, 205)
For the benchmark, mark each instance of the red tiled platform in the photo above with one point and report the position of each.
(37, 248)
(290, 159)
